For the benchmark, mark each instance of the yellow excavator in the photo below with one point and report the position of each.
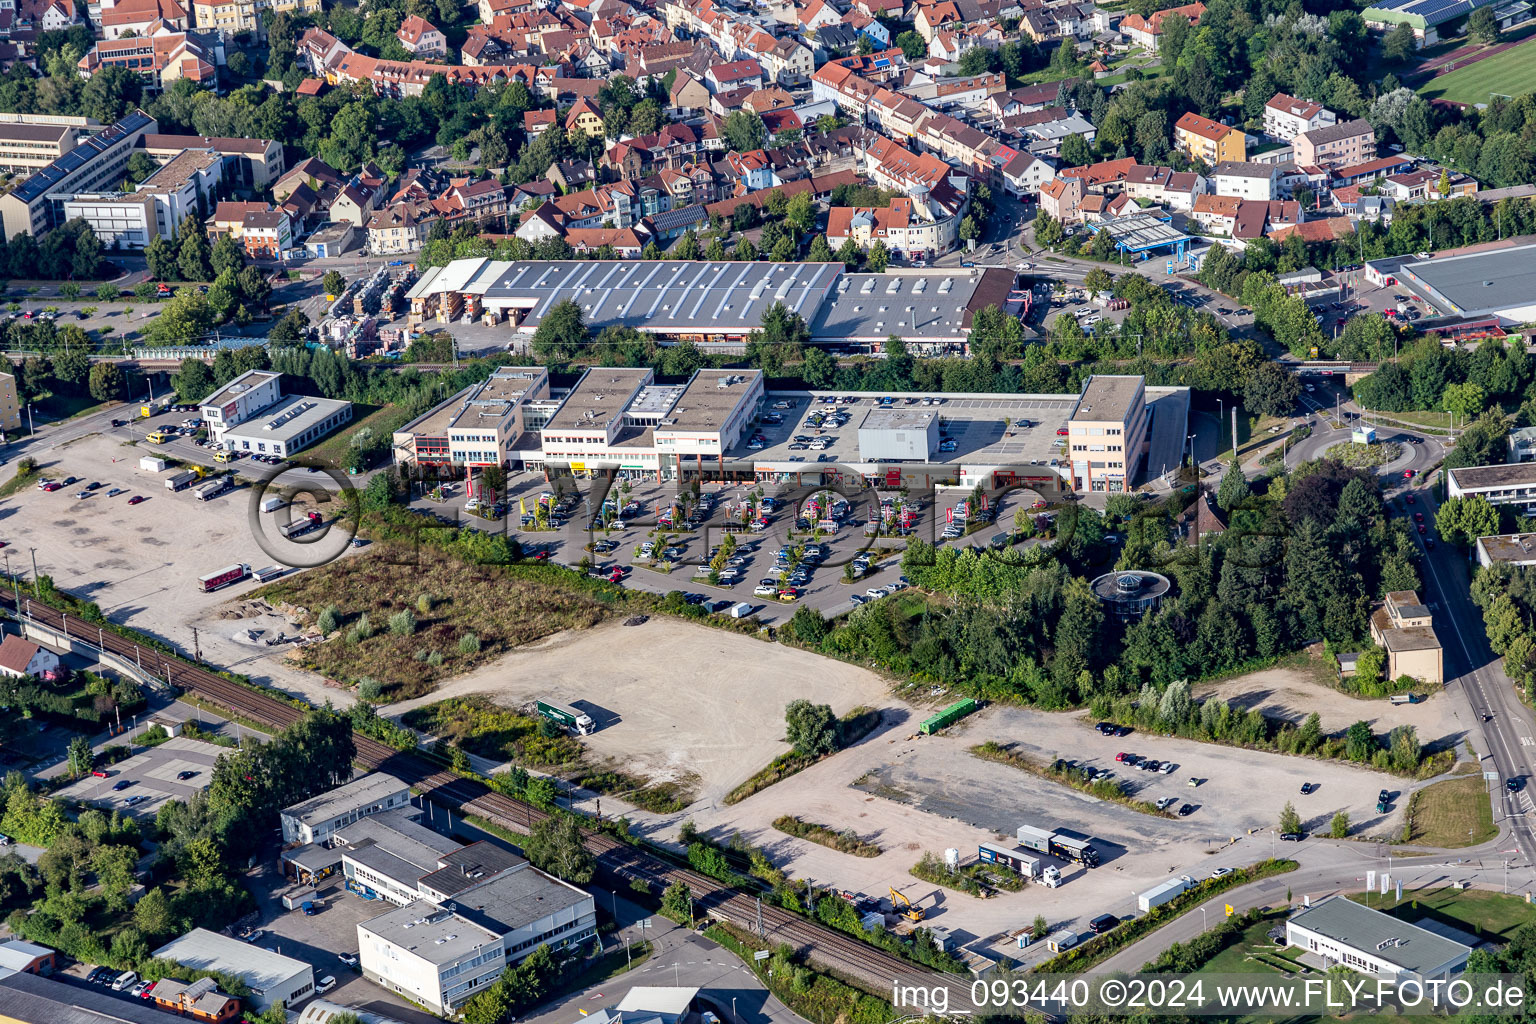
(899, 900)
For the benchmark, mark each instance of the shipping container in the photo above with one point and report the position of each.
(1031, 838)
(949, 716)
(1158, 895)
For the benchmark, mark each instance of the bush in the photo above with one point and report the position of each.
(424, 603)
(402, 623)
(469, 644)
(329, 619)
(369, 689)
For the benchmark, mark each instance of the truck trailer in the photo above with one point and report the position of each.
(181, 481)
(1014, 859)
(224, 577)
(299, 527)
(214, 488)
(1158, 895)
(577, 721)
(1063, 843)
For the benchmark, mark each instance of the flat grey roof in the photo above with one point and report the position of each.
(180, 170)
(898, 419)
(929, 304)
(287, 418)
(396, 833)
(470, 866)
(1478, 282)
(1511, 475)
(36, 1000)
(13, 132)
(481, 405)
(709, 399)
(203, 950)
(1411, 638)
(365, 789)
(601, 394)
(515, 900)
(239, 386)
(1407, 945)
(1108, 398)
(436, 935)
(666, 296)
(1515, 548)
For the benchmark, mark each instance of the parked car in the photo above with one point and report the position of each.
(350, 959)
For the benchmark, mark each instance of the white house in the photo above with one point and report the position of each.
(23, 658)
(1246, 180)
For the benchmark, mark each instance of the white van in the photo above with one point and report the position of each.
(741, 611)
(125, 981)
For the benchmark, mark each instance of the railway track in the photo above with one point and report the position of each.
(823, 946)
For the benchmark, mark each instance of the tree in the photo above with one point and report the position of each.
(183, 321)
(333, 283)
(912, 44)
(562, 333)
(1098, 280)
(555, 846)
(1483, 26)
(1462, 520)
(192, 253)
(820, 251)
(687, 246)
(744, 131)
(161, 259)
(968, 229)
(80, 756)
(106, 382)
(976, 60)
(193, 382)
(1048, 230)
(878, 258)
(1465, 400)
(1339, 828)
(810, 728)
(1271, 390)
(1233, 492)
(808, 625)
(1399, 44)
(1290, 821)
(677, 901)
(849, 253)
(227, 255)
(1075, 151)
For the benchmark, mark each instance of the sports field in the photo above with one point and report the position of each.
(1510, 73)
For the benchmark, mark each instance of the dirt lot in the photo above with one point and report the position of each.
(141, 563)
(672, 700)
(1294, 693)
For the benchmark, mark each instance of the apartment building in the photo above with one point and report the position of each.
(422, 39)
(1404, 627)
(1343, 144)
(236, 16)
(1210, 142)
(1107, 433)
(1286, 117)
(1246, 180)
(248, 163)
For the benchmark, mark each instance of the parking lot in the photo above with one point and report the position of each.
(137, 787)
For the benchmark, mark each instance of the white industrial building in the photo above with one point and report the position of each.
(251, 414)
(271, 977)
(485, 909)
(1347, 933)
(899, 434)
(316, 819)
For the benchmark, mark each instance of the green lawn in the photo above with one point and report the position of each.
(1452, 813)
(1489, 914)
(334, 451)
(52, 408)
(1510, 73)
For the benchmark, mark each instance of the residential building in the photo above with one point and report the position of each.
(585, 116)
(421, 38)
(271, 977)
(1404, 627)
(443, 949)
(237, 16)
(736, 74)
(1062, 198)
(1521, 444)
(1147, 32)
(399, 228)
(1210, 142)
(908, 227)
(1107, 433)
(266, 234)
(315, 819)
(1516, 549)
(1347, 934)
(141, 18)
(28, 148)
(1246, 180)
(1343, 144)
(1286, 117)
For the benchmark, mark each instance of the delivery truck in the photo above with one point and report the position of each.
(214, 488)
(577, 721)
(181, 481)
(224, 577)
(299, 527)
(1063, 843)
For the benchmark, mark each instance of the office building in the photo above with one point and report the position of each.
(476, 427)
(248, 163)
(251, 414)
(315, 819)
(1499, 485)
(96, 164)
(483, 913)
(28, 148)
(1108, 432)
(271, 977)
(1516, 549)
(1345, 933)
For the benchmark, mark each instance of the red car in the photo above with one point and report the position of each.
(135, 499)
(1061, 431)
(1120, 756)
(53, 486)
(1407, 474)
(616, 576)
(1038, 504)
(1410, 499)
(98, 773)
(1418, 517)
(1422, 530)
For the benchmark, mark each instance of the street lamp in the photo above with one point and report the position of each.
(1202, 919)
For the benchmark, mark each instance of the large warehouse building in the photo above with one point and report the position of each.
(1496, 281)
(720, 304)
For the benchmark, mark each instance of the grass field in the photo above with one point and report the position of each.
(1452, 814)
(334, 451)
(1489, 914)
(1510, 73)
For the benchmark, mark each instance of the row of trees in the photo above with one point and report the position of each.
(1428, 376)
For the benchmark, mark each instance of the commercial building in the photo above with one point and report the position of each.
(1108, 433)
(16, 955)
(1130, 595)
(28, 148)
(1345, 933)
(1500, 485)
(645, 1004)
(1495, 281)
(476, 427)
(10, 403)
(271, 977)
(251, 414)
(156, 209)
(719, 305)
(1515, 549)
(248, 163)
(387, 855)
(314, 820)
(29, 999)
(442, 949)
(35, 206)
(1404, 627)
(898, 435)
(1424, 16)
